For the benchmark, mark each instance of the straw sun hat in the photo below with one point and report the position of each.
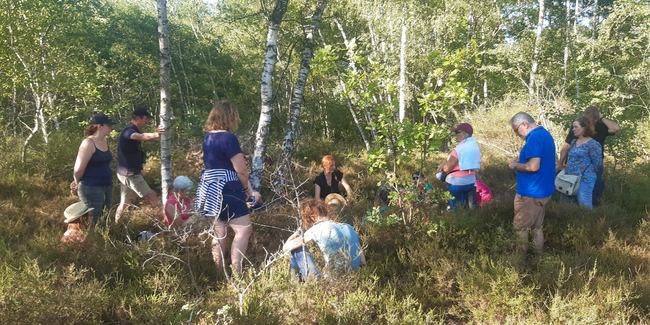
(75, 211)
(336, 201)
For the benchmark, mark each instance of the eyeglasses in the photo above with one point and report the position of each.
(416, 177)
(517, 129)
(457, 132)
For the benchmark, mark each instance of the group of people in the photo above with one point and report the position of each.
(536, 169)
(224, 193)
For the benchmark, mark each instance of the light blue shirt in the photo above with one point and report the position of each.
(338, 242)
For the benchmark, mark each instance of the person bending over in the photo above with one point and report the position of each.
(338, 242)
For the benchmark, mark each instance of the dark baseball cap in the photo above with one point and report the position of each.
(141, 111)
(101, 118)
(465, 127)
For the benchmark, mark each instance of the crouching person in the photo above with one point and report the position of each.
(78, 217)
(179, 205)
(338, 242)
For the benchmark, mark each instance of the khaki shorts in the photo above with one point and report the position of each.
(529, 212)
(132, 187)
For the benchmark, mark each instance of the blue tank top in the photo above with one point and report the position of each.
(98, 172)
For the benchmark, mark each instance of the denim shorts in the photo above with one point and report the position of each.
(233, 205)
(96, 197)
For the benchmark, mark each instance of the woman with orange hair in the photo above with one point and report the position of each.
(327, 182)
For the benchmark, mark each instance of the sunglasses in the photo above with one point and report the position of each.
(457, 132)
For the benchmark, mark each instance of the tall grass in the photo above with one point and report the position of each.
(444, 269)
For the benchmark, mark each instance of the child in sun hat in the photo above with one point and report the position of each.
(78, 217)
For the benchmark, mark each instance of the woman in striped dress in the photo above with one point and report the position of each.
(224, 187)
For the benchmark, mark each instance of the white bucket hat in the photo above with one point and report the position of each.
(75, 211)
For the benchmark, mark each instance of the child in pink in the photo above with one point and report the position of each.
(178, 206)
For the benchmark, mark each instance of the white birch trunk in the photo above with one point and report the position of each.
(293, 123)
(402, 75)
(538, 37)
(568, 39)
(165, 106)
(262, 135)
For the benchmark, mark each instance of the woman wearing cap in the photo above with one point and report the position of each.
(224, 187)
(338, 242)
(93, 177)
(178, 206)
(461, 168)
(328, 180)
(78, 217)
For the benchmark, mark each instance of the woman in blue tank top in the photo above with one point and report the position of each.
(93, 177)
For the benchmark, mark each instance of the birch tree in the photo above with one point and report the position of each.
(538, 37)
(402, 75)
(165, 107)
(261, 137)
(293, 122)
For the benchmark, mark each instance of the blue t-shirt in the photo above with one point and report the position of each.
(540, 184)
(130, 156)
(338, 242)
(218, 149)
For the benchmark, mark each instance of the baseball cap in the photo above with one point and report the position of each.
(101, 118)
(141, 111)
(465, 127)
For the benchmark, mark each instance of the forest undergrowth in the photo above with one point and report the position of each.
(438, 268)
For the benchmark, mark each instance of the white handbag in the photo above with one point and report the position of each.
(567, 184)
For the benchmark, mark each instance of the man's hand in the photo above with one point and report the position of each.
(558, 168)
(74, 185)
(160, 130)
(512, 163)
(441, 166)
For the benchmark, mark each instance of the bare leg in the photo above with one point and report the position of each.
(219, 242)
(243, 230)
(120, 208)
(153, 199)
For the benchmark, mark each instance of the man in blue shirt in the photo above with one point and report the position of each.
(130, 159)
(535, 180)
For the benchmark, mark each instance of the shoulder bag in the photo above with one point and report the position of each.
(568, 184)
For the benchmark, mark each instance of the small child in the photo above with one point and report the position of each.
(78, 217)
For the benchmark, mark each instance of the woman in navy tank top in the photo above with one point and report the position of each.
(93, 177)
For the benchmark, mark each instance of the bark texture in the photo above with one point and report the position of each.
(165, 107)
(538, 37)
(293, 123)
(261, 137)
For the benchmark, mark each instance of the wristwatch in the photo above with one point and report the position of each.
(515, 166)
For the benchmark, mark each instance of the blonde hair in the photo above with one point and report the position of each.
(223, 116)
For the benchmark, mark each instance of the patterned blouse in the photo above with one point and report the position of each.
(585, 157)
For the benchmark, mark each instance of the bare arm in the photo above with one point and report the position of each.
(531, 166)
(242, 172)
(316, 191)
(148, 136)
(448, 165)
(563, 154)
(612, 127)
(295, 241)
(173, 212)
(346, 186)
(86, 150)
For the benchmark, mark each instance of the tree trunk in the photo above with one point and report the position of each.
(402, 75)
(354, 114)
(538, 37)
(262, 135)
(567, 39)
(165, 107)
(293, 123)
